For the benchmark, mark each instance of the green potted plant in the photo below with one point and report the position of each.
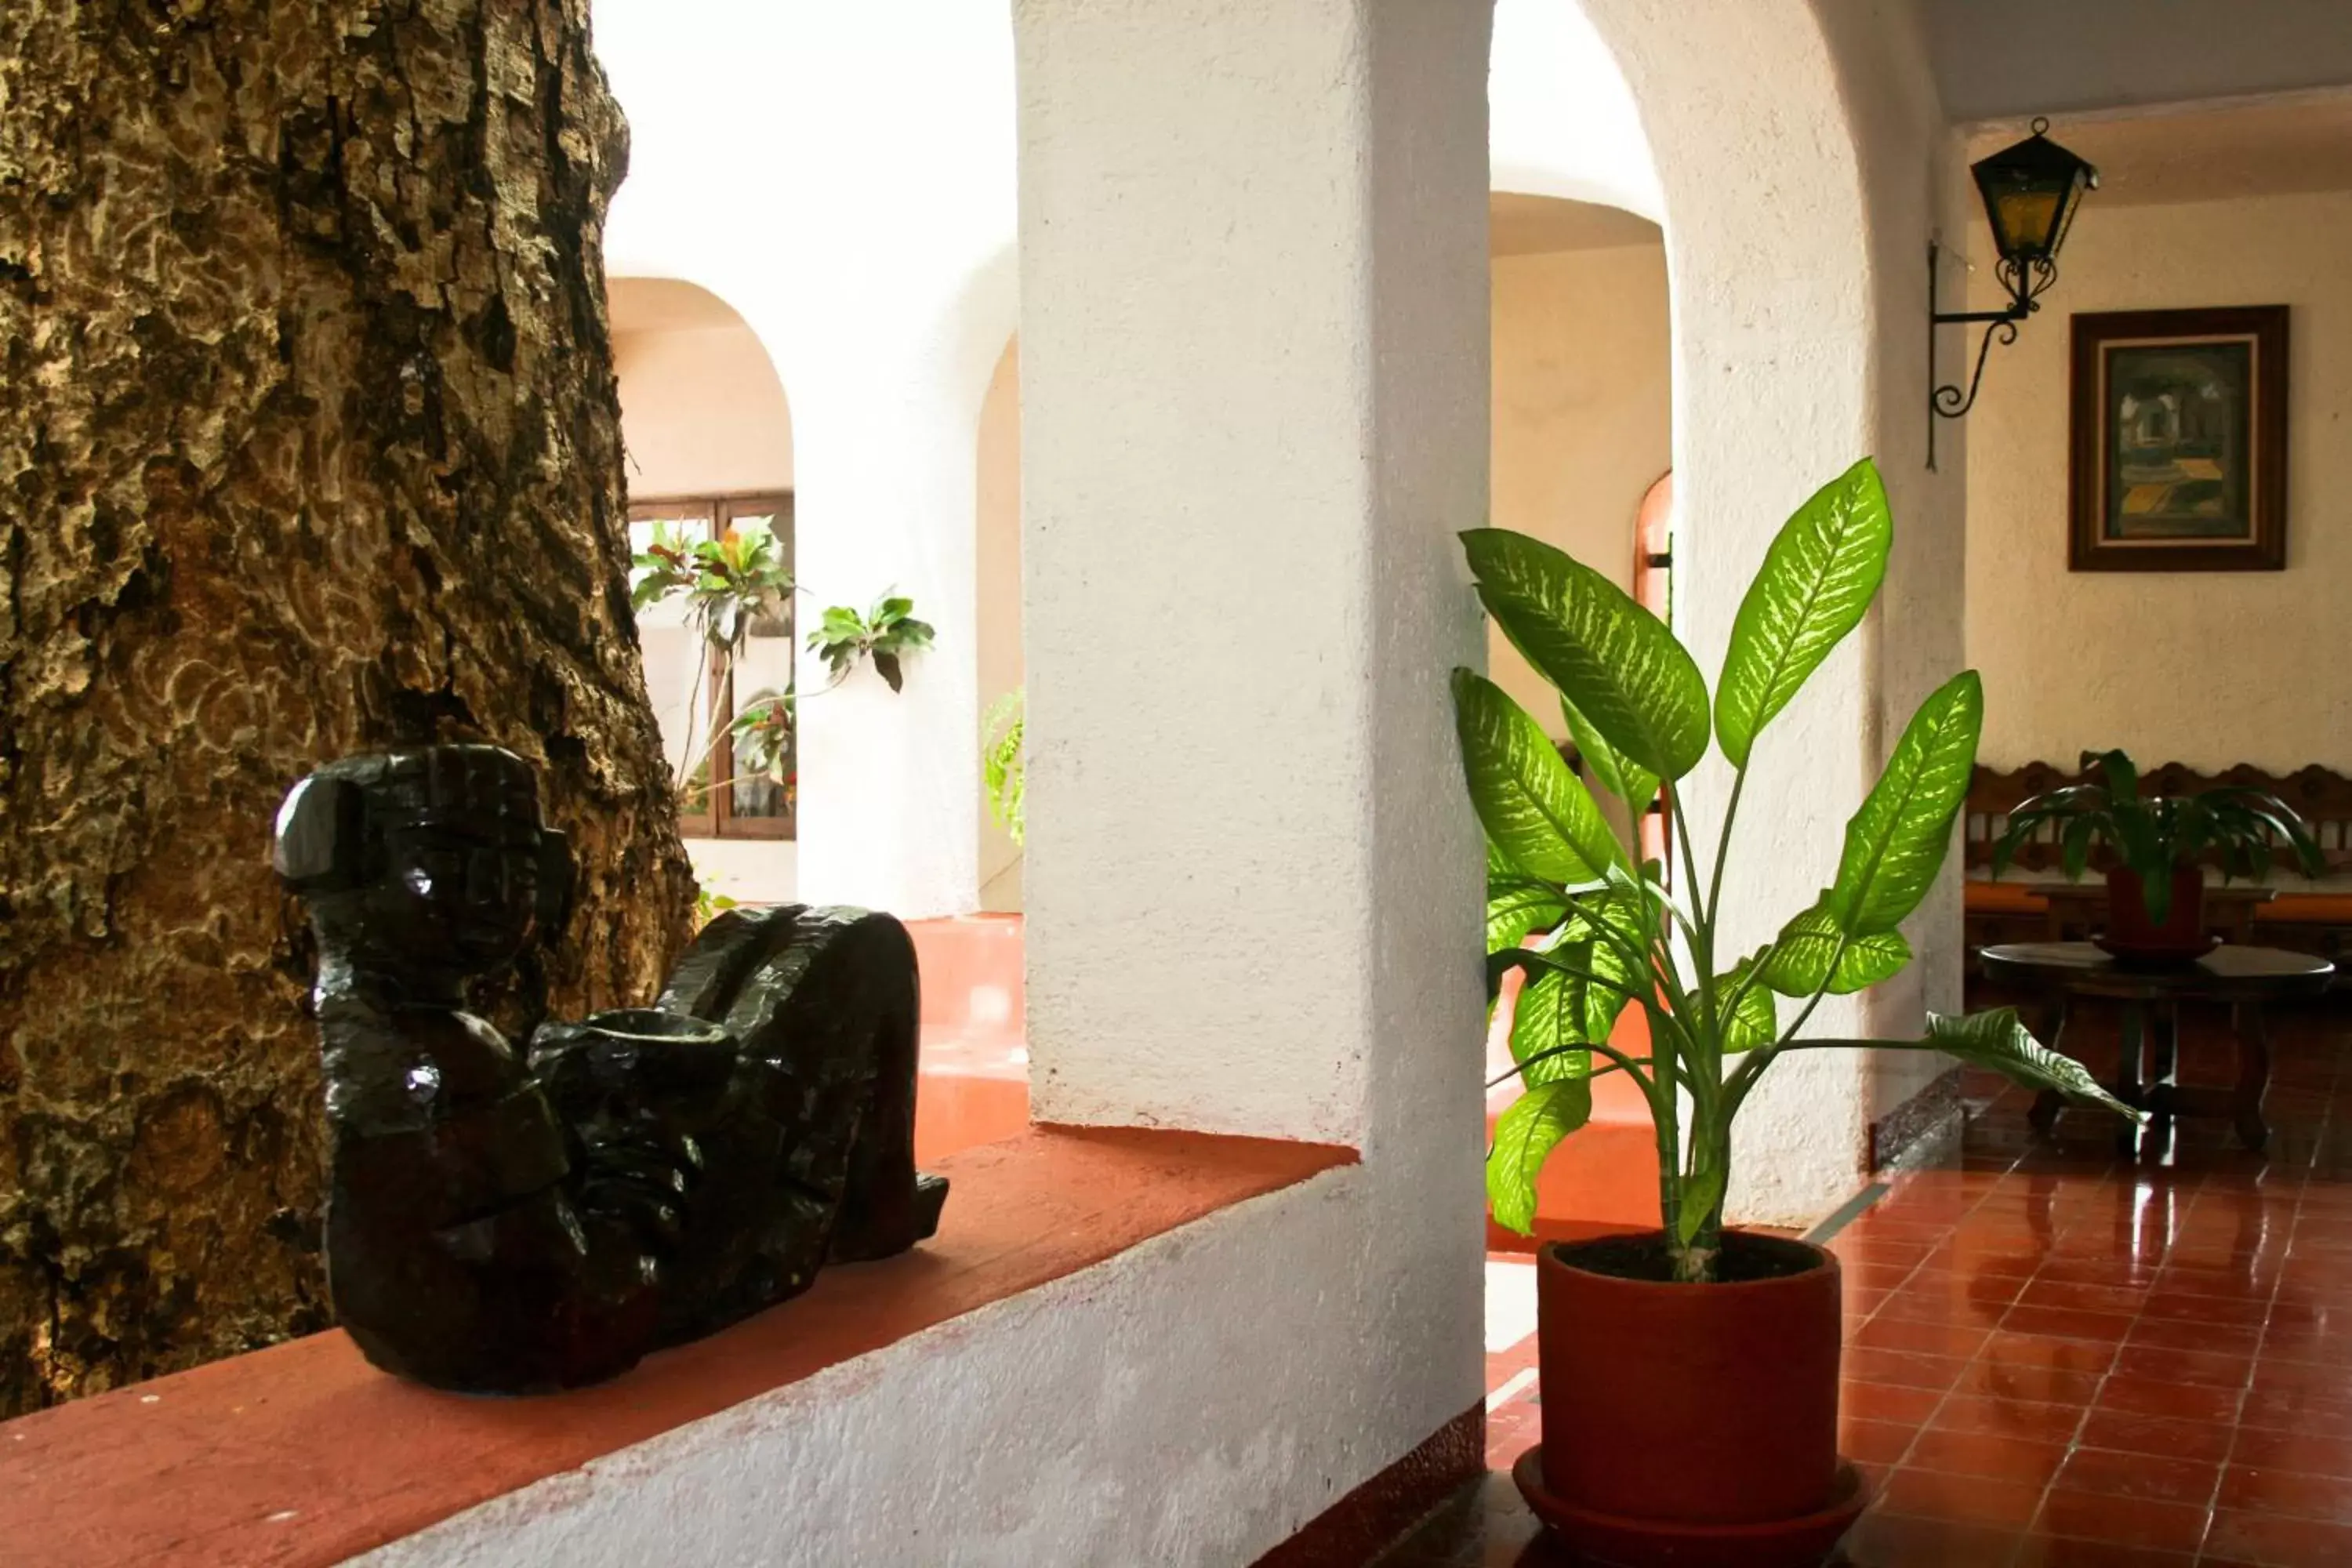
(739, 586)
(1690, 1375)
(2155, 887)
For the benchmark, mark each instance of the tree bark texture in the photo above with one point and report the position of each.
(310, 444)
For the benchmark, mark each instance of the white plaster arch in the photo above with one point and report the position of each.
(1561, 121)
(1739, 126)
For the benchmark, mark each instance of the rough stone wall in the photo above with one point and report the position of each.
(309, 445)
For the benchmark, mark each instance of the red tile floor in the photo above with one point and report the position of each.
(2061, 1354)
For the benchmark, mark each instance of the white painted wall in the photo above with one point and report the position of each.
(843, 176)
(2208, 668)
(1240, 565)
(1194, 1401)
(748, 870)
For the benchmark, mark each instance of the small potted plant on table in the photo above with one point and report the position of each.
(2155, 887)
(1690, 1375)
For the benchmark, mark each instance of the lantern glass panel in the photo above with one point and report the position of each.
(2025, 220)
(2086, 179)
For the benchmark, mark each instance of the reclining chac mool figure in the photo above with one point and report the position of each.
(646, 1176)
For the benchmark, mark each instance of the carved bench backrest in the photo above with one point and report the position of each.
(2322, 797)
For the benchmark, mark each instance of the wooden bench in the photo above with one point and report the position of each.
(2303, 916)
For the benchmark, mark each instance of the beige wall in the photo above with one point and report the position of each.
(702, 412)
(2207, 668)
(998, 571)
(1583, 415)
(1583, 424)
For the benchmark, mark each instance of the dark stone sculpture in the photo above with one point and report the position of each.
(497, 1224)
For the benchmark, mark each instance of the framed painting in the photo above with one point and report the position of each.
(2179, 439)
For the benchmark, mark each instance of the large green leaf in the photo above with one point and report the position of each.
(1603, 981)
(1613, 660)
(1547, 1020)
(1808, 945)
(1535, 810)
(1518, 905)
(1524, 1136)
(1897, 842)
(1620, 774)
(1996, 1039)
(1754, 1022)
(1595, 987)
(1815, 585)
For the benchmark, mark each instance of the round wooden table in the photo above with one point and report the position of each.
(2244, 978)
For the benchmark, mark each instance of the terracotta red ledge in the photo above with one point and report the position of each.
(302, 1454)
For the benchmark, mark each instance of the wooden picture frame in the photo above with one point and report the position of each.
(2177, 440)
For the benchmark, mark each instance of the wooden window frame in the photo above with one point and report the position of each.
(717, 818)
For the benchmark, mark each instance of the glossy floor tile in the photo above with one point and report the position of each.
(2074, 1351)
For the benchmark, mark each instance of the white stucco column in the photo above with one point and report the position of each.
(1254, 410)
(1254, 393)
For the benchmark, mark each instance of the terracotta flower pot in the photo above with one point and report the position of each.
(1690, 1424)
(2181, 938)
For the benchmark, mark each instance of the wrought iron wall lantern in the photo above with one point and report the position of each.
(2032, 192)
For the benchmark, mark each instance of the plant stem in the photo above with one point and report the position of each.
(1670, 1177)
(1695, 1264)
(1713, 909)
(1577, 972)
(1762, 1056)
(1622, 1063)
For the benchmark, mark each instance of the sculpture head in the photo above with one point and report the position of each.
(426, 865)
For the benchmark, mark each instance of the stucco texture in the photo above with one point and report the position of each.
(2207, 668)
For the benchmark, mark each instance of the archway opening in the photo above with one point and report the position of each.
(710, 441)
(1582, 428)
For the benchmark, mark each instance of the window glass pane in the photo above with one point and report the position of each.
(765, 772)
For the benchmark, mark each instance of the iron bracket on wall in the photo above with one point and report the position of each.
(1948, 401)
